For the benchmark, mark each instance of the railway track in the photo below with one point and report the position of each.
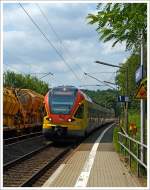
(84, 144)
(34, 168)
(21, 137)
(24, 157)
(25, 171)
(18, 149)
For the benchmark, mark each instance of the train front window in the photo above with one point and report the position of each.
(61, 101)
(80, 112)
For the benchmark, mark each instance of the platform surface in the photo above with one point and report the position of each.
(106, 170)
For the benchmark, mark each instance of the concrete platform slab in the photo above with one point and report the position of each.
(70, 171)
(96, 164)
(109, 171)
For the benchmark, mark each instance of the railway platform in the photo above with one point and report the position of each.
(94, 164)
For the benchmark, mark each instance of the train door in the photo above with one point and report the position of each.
(80, 115)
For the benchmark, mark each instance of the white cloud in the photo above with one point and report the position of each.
(118, 48)
(27, 50)
(124, 60)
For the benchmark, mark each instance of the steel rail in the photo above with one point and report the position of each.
(19, 138)
(24, 157)
(29, 182)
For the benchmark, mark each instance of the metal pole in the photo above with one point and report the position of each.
(142, 105)
(126, 102)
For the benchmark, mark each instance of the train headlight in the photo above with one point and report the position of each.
(69, 120)
(49, 119)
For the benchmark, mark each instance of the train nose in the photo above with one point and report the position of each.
(58, 130)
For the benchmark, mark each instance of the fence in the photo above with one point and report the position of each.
(128, 144)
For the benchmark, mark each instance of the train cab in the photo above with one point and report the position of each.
(65, 112)
(71, 113)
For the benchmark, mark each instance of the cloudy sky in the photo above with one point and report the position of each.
(75, 44)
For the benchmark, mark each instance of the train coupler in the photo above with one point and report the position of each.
(60, 131)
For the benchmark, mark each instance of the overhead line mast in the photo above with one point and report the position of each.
(49, 42)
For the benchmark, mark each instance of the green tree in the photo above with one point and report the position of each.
(132, 63)
(12, 79)
(121, 22)
(106, 98)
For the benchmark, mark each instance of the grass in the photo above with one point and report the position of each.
(115, 139)
(133, 117)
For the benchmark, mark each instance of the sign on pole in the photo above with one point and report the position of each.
(123, 99)
(141, 92)
(139, 74)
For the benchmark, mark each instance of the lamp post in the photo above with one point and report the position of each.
(126, 102)
(142, 104)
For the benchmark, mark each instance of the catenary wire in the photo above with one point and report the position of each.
(50, 43)
(56, 34)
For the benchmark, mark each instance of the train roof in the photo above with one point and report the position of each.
(96, 103)
(65, 86)
(84, 94)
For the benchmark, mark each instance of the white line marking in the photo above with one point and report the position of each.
(85, 173)
(53, 176)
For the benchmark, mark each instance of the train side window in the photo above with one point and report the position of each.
(80, 111)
